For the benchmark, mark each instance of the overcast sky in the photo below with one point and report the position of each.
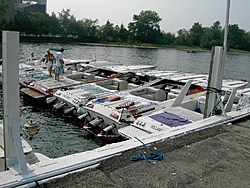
(175, 14)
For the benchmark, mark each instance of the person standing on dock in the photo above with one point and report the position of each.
(59, 64)
(49, 61)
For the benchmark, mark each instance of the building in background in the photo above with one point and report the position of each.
(21, 7)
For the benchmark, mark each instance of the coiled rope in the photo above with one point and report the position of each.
(152, 156)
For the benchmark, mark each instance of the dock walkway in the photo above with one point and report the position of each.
(217, 157)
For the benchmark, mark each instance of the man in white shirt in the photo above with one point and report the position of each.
(59, 64)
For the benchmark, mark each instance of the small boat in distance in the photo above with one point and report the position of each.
(192, 51)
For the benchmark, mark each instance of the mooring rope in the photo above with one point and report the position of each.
(152, 156)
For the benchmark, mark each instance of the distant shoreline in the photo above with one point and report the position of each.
(145, 46)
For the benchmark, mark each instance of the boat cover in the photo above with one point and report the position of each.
(92, 89)
(170, 119)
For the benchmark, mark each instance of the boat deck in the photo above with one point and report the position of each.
(32, 93)
(163, 120)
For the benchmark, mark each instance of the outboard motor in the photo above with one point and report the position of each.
(50, 100)
(96, 122)
(60, 105)
(105, 130)
(83, 116)
(109, 128)
(67, 111)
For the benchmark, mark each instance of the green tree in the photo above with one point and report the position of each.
(87, 30)
(22, 24)
(196, 33)
(216, 34)
(145, 27)
(38, 23)
(116, 33)
(247, 39)
(3, 10)
(182, 38)
(236, 37)
(67, 22)
(53, 25)
(206, 38)
(108, 32)
(212, 36)
(123, 34)
(168, 38)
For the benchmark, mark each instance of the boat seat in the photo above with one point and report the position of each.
(83, 77)
(99, 78)
(150, 93)
(132, 86)
(171, 95)
(114, 84)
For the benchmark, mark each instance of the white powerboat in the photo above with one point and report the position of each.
(68, 101)
(183, 119)
(112, 112)
(44, 88)
(113, 121)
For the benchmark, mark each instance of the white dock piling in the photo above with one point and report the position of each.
(14, 156)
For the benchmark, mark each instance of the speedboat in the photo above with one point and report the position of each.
(68, 101)
(72, 63)
(28, 74)
(112, 112)
(187, 117)
(104, 117)
(99, 63)
(42, 89)
(136, 68)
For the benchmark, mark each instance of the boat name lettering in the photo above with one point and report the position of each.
(66, 96)
(156, 128)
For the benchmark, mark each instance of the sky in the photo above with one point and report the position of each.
(175, 14)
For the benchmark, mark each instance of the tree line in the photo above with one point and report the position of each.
(144, 29)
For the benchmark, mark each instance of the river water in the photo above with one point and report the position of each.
(58, 138)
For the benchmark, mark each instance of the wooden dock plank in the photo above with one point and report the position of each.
(32, 93)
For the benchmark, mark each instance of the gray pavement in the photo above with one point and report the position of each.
(216, 157)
